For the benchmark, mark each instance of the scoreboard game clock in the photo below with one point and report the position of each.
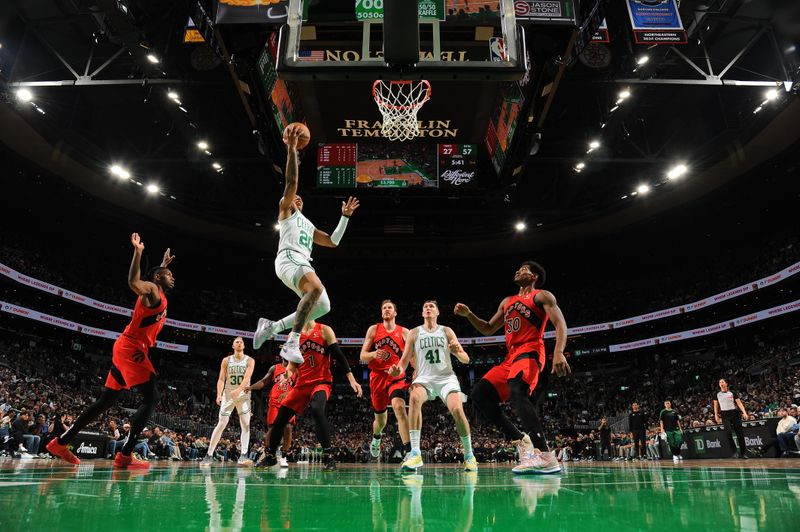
(336, 165)
(457, 165)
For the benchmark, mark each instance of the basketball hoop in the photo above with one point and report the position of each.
(398, 102)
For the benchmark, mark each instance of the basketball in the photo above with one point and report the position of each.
(305, 136)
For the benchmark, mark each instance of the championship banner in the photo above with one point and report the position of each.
(552, 12)
(656, 22)
(373, 9)
(601, 35)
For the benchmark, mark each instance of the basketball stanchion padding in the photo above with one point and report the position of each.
(399, 102)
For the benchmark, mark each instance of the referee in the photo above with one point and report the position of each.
(636, 424)
(727, 406)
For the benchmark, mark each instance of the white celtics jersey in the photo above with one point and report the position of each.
(297, 235)
(433, 353)
(235, 372)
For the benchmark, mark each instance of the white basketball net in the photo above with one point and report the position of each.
(398, 102)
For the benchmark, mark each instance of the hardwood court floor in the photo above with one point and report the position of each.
(611, 496)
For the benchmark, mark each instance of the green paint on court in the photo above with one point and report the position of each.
(615, 499)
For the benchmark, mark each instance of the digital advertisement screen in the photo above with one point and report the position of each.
(503, 124)
(389, 165)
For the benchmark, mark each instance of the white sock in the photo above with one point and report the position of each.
(244, 420)
(414, 435)
(466, 441)
(293, 337)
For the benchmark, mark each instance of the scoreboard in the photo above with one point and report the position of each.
(336, 165)
(344, 165)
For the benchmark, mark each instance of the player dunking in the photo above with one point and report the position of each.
(293, 262)
(430, 346)
(235, 373)
(279, 385)
(130, 365)
(313, 386)
(383, 346)
(525, 316)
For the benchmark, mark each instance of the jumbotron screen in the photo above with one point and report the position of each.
(389, 165)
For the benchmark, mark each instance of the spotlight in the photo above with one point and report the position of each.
(277, 226)
(183, 109)
(757, 109)
(676, 171)
(771, 94)
(152, 58)
(613, 109)
(624, 94)
(520, 226)
(24, 95)
(152, 188)
(120, 172)
(643, 189)
(216, 166)
(580, 166)
(173, 95)
(203, 145)
(642, 59)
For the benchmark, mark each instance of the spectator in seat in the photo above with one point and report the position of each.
(117, 439)
(21, 429)
(785, 433)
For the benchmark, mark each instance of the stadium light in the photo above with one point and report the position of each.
(771, 94)
(580, 166)
(152, 188)
(216, 166)
(203, 145)
(624, 94)
(643, 59)
(173, 95)
(520, 226)
(676, 171)
(120, 172)
(277, 226)
(24, 95)
(757, 109)
(643, 189)
(182, 109)
(152, 58)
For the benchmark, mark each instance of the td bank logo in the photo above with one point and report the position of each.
(699, 445)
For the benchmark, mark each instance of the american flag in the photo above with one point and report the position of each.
(310, 55)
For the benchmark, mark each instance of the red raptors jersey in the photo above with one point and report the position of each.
(524, 321)
(280, 387)
(147, 322)
(390, 341)
(316, 366)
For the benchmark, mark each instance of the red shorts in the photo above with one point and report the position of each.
(300, 396)
(383, 387)
(272, 413)
(130, 365)
(527, 360)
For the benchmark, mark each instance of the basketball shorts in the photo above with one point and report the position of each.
(383, 388)
(439, 387)
(130, 365)
(290, 267)
(241, 404)
(525, 360)
(300, 396)
(272, 414)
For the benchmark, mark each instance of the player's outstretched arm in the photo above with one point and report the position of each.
(408, 354)
(548, 302)
(455, 346)
(265, 381)
(331, 241)
(482, 326)
(290, 137)
(147, 290)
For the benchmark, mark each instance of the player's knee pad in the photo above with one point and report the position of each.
(322, 306)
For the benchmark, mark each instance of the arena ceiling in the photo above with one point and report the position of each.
(98, 101)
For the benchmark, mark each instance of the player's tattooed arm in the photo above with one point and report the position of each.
(147, 290)
(482, 326)
(290, 138)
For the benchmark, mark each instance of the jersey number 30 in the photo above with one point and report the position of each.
(236, 380)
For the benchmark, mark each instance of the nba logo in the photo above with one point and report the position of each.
(497, 49)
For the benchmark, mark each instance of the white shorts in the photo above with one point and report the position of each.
(290, 267)
(439, 387)
(241, 404)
